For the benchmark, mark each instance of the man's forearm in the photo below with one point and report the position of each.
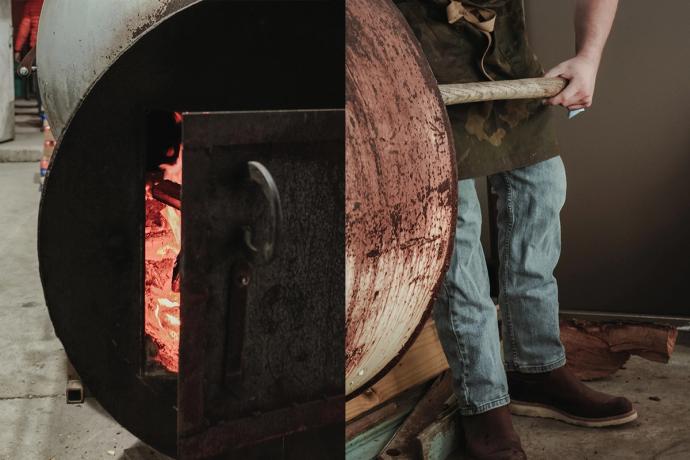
(593, 21)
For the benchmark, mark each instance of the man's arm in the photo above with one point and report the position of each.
(22, 35)
(593, 21)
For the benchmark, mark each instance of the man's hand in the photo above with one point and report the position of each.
(581, 73)
(593, 21)
(17, 57)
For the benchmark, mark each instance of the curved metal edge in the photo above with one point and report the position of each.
(43, 276)
(169, 14)
(168, 11)
(429, 76)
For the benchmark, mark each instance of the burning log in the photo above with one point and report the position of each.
(175, 283)
(597, 350)
(168, 192)
(161, 265)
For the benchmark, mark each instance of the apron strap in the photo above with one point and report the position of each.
(482, 19)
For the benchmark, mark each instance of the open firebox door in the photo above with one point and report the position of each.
(257, 354)
(248, 334)
(191, 229)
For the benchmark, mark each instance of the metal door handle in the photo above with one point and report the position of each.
(260, 175)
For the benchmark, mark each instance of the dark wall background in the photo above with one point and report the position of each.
(626, 224)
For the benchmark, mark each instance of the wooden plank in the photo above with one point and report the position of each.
(370, 420)
(403, 445)
(368, 444)
(422, 362)
(442, 437)
(595, 350)
(391, 409)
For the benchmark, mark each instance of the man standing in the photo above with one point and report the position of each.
(27, 30)
(27, 34)
(514, 144)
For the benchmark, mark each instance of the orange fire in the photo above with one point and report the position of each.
(161, 294)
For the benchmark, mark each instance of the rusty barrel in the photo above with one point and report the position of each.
(401, 193)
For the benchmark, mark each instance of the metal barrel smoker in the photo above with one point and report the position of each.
(186, 326)
(285, 183)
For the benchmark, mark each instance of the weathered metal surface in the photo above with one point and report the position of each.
(6, 72)
(270, 327)
(74, 393)
(80, 39)
(401, 189)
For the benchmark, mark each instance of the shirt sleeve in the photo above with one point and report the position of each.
(22, 33)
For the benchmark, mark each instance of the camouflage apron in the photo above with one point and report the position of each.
(482, 40)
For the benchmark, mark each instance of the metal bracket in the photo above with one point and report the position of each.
(240, 279)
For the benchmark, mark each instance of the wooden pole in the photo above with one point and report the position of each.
(528, 88)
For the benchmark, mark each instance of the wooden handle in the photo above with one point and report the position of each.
(528, 88)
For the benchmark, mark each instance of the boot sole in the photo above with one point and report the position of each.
(543, 411)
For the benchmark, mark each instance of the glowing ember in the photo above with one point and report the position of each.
(161, 289)
(162, 303)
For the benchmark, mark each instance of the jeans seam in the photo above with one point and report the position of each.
(505, 266)
(538, 368)
(485, 407)
(459, 347)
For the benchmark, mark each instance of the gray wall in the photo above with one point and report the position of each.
(6, 72)
(626, 224)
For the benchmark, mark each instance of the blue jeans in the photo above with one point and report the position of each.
(529, 240)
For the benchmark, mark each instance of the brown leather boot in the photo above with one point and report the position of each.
(490, 436)
(558, 394)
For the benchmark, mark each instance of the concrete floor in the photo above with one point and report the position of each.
(24, 147)
(661, 432)
(35, 422)
(27, 144)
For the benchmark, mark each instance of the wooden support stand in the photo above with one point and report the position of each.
(405, 445)
(422, 362)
